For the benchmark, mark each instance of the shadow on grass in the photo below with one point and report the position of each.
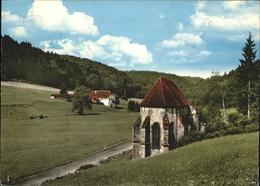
(86, 114)
(119, 108)
(74, 114)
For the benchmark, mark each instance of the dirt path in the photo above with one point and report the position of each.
(30, 86)
(63, 170)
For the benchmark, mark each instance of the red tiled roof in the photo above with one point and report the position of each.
(95, 94)
(164, 94)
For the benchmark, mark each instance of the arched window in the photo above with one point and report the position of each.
(137, 125)
(156, 136)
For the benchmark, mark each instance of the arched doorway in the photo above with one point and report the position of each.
(156, 136)
(147, 140)
(171, 137)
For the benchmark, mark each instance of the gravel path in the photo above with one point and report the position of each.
(63, 170)
(30, 86)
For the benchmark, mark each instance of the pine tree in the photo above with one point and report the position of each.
(246, 68)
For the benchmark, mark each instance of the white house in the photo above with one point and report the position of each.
(103, 96)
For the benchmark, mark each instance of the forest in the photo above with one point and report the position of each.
(214, 97)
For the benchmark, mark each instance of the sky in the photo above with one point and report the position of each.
(187, 38)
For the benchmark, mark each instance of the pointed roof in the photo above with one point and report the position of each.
(164, 94)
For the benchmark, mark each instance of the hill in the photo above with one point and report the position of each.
(231, 160)
(22, 61)
(211, 96)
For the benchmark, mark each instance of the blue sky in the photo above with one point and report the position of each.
(181, 37)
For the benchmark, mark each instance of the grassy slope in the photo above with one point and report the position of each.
(29, 146)
(231, 160)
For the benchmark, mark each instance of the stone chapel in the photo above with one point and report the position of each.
(165, 117)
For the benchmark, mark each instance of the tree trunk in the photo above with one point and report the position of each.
(223, 104)
(248, 101)
(125, 92)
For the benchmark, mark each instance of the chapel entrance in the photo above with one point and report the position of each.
(147, 140)
(171, 137)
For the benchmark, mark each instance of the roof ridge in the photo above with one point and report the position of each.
(162, 92)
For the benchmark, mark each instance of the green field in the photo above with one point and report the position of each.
(230, 160)
(32, 145)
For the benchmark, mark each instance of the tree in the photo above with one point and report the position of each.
(81, 100)
(223, 86)
(246, 68)
(63, 89)
(125, 86)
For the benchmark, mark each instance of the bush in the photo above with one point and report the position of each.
(124, 98)
(191, 137)
(216, 125)
(252, 128)
(63, 89)
(234, 119)
(234, 130)
(133, 106)
(243, 123)
(211, 135)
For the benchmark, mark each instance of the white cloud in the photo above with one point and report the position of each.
(200, 5)
(233, 4)
(237, 18)
(19, 31)
(196, 73)
(193, 73)
(162, 16)
(188, 56)
(179, 53)
(182, 39)
(246, 21)
(65, 46)
(54, 16)
(112, 49)
(204, 53)
(180, 27)
(116, 46)
(8, 17)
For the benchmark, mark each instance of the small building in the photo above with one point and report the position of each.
(165, 117)
(103, 96)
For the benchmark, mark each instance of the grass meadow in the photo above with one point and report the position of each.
(230, 160)
(29, 145)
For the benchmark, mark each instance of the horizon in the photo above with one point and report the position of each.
(196, 37)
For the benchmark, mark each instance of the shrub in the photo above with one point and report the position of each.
(124, 98)
(133, 106)
(243, 123)
(191, 137)
(211, 135)
(63, 89)
(234, 130)
(234, 118)
(252, 128)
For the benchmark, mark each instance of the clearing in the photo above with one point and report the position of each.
(29, 146)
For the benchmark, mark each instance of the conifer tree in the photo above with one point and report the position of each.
(246, 68)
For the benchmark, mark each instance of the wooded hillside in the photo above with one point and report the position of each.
(238, 89)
